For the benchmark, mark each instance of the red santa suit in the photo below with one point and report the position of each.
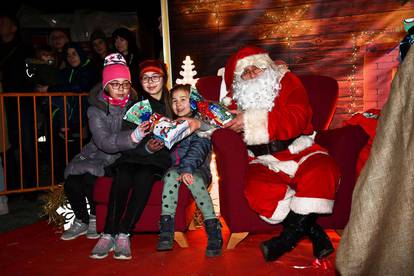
(301, 178)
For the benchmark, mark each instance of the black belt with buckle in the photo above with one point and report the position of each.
(272, 147)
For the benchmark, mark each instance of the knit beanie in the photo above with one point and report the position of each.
(152, 65)
(114, 67)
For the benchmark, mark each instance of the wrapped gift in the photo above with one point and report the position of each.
(169, 131)
(211, 112)
(214, 113)
(139, 112)
(194, 98)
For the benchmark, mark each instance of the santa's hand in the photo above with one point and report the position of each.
(154, 145)
(140, 132)
(236, 124)
(186, 178)
(193, 123)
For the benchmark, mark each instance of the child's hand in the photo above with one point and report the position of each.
(193, 123)
(154, 145)
(186, 178)
(140, 132)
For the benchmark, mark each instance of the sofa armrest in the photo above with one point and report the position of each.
(344, 145)
(232, 161)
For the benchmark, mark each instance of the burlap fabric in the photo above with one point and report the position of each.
(379, 237)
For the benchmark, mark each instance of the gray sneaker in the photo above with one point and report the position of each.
(122, 247)
(91, 233)
(78, 228)
(103, 247)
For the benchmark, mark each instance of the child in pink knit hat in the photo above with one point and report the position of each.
(105, 116)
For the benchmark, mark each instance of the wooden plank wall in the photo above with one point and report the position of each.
(313, 37)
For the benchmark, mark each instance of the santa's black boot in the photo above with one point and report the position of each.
(322, 246)
(294, 228)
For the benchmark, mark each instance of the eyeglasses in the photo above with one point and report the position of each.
(250, 73)
(154, 78)
(117, 85)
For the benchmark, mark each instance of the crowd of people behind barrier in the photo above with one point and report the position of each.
(60, 65)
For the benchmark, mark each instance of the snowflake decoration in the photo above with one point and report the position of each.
(66, 211)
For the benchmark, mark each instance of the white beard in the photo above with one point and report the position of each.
(257, 93)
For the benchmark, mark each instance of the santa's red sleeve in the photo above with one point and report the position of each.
(290, 116)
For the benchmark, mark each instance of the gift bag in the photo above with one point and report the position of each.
(139, 112)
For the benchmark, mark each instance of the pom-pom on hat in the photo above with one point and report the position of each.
(151, 65)
(114, 67)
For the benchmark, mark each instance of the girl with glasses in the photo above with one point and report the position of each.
(105, 114)
(136, 170)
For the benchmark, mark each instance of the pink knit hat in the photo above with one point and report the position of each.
(115, 67)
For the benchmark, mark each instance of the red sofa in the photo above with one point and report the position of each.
(149, 221)
(343, 144)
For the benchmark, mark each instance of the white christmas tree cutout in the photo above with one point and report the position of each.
(187, 73)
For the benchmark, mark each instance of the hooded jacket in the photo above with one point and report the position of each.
(108, 138)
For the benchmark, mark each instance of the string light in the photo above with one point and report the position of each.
(213, 6)
(358, 40)
(287, 23)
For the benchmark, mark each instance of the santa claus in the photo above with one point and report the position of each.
(290, 178)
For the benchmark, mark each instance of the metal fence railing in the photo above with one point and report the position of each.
(39, 134)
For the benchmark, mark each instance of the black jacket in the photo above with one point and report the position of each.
(137, 155)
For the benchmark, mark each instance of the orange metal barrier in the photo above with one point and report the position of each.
(46, 160)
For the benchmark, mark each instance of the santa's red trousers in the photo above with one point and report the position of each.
(312, 189)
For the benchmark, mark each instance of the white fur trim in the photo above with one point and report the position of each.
(301, 143)
(250, 153)
(255, 127)
(206, 134)
(307, 205)
(282, 209)
(260, 60)
(288, 167)
(303, 159)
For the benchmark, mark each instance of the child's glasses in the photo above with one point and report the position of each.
(154, 78)
(118, 85)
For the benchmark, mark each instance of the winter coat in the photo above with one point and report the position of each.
(193, 154)
(138, 155)
(108, 140)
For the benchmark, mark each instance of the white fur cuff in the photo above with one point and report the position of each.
(282, 209)
(256, 127)
(307, 205)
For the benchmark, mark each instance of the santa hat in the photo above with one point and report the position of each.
(114, 67)
(246, 56)
(152, 65)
